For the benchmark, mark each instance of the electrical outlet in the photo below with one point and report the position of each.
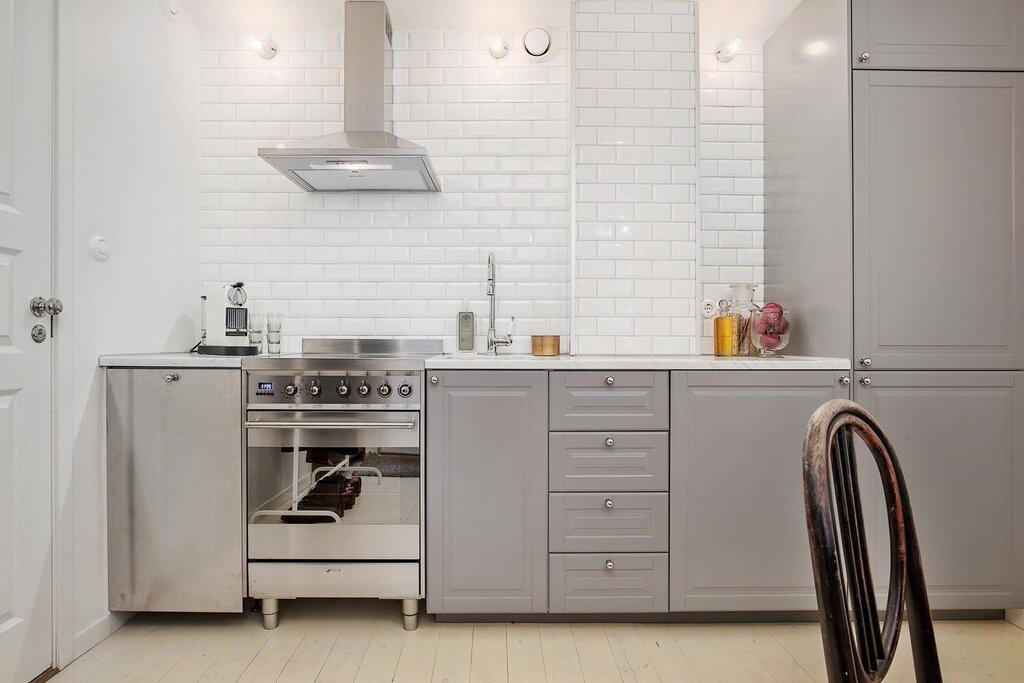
(708, 308)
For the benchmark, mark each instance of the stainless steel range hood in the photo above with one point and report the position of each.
(366, 157)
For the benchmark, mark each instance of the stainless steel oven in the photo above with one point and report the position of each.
(334, 485)
(296, 456)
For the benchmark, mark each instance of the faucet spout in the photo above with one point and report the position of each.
(494, 340)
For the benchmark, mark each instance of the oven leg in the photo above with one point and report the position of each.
(410, 614)
(268, 606)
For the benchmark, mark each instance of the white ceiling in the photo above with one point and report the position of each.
(717, 17)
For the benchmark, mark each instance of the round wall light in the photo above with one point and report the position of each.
(729, 50)
(537, 42)
(497, 47)
(261, 47)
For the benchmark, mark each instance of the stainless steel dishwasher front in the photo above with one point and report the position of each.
(174, 490)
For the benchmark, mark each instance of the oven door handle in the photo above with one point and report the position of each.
(331, 425)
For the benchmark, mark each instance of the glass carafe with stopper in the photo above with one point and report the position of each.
(742, 309)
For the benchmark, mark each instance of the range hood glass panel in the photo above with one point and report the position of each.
(395, 180)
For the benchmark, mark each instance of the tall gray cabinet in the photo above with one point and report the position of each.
(926, 34)
(960, 440)
(935, 239)
(487, 491)
(938, 220)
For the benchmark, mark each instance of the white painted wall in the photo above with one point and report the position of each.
(130, 172)
(406, 15)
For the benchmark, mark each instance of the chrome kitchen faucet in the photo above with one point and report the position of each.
(494, 340)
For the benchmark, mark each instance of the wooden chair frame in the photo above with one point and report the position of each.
(861, 652)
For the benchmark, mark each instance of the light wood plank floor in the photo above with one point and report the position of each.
(363, 641)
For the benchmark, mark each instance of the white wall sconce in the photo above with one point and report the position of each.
(261, 47)
(729, 50)
(537, 42)
(497, 47)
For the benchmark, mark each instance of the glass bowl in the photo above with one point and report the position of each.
(770, 328)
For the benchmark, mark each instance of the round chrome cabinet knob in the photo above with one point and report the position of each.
(343, 390)
(290, 390)
(608, 564)
(609, 503)
(314, 389)
(363, 390)
(384, 390)
(609, 442)
(405, 390)
(609, 380)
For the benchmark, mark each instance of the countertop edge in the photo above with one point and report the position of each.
(527, 362)
(515, 362)
(169, 360)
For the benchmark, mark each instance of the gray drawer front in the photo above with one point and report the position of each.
(586, 401)
(584, 523)
(608, 461)
(637, 582)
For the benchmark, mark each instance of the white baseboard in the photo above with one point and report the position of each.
(1015, 617)
(91, 635)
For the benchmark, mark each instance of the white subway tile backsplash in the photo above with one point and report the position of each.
(732, 174)
(635, 170)
(382, 264)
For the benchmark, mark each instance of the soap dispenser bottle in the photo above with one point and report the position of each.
(467, 328)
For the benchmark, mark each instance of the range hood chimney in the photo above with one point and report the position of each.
(366, 157)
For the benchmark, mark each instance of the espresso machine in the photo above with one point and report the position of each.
(226, 311)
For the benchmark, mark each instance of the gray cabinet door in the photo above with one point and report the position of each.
(938, 34)
(959, 437)
(938, 217)
(628, 400)
(608, 522)
(738, 537)
(486, 479)
(174, 490)
(609, 583)
(608, 461)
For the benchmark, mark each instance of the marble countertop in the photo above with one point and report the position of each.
(515, 361)
(626, 362)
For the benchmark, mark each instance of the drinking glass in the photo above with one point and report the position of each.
(256, 325)
(274, 333)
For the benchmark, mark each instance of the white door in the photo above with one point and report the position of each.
(26, 144)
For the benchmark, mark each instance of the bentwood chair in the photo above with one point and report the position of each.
(857, 649)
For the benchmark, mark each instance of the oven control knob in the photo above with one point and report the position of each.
(405, 390)
(363, 390)
(343, 390)
(384, 390)
(314, 389)
(290, 390)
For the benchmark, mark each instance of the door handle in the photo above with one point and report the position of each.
(40, 306)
